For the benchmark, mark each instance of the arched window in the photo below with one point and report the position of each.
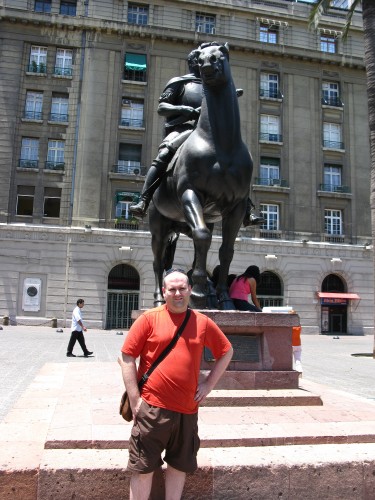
(333, 283)
(123, 277)
(270, 290)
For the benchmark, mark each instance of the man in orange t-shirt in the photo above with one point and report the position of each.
(165, 414)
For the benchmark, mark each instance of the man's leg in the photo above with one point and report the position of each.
(174, 483)
(82, 343)
(72, 341)
(140, 486)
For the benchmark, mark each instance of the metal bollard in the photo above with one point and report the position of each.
(6, 320)
(54, 322)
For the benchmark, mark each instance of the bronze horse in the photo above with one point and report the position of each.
(210, 182)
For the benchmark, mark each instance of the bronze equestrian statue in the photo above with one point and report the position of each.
(209, 182)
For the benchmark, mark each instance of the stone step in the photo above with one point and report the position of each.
(327, 471)
(258, 397)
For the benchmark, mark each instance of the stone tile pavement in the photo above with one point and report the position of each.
(345, 363)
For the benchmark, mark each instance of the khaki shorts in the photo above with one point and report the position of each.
(158, 429)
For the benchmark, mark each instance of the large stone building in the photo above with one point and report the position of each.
(80, 81)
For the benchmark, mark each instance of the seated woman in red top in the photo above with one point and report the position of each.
(243, 286)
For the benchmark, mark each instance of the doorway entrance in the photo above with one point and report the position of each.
(122, 296)
(334, 311)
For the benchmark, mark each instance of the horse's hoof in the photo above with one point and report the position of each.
(198, 301)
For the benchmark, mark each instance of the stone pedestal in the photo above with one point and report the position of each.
(262, 343)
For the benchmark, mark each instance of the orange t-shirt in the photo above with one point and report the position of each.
(296, 336)
(173, 383)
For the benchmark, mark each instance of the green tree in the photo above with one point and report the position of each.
(319, 8)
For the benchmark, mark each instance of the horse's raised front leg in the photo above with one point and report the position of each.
(230, 227)
(201, 236)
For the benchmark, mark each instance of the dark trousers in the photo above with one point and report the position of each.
(81, 340)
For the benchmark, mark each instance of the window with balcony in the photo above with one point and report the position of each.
(52, 201)
(132, 113)
(68, 7)
(333, 222)
(269, 172)
(38, 60)
(271, 215)
(137, 13)
(270, 128)
(268, 33)
(59, 108)
(129, 159)
(55, 155)
(328, 43)
(331, 94)
(29, 153)
(332, 136)
(333, 179)
(205, 23)
(33, 105)
(64, 62)
(269, 85)
(135, 67)
(123, 201)
(25, 200)
(43, 6)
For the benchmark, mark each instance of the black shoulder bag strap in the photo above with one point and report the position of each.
(166, 351)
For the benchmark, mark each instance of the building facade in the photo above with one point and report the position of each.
(80, 82)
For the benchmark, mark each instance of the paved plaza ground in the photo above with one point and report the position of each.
(344, 364)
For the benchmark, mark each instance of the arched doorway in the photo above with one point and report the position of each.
(334, 310)
(270, 290)
(122, 296)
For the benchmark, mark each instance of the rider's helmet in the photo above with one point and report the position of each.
(192, 61)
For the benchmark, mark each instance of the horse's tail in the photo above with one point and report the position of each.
(170, 251)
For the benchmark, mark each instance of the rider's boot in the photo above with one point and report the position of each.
(152, 182)
(251, 219)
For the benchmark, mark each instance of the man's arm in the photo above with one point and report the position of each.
(129, 375)
(206, 386)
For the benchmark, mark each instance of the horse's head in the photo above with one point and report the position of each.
(213, 61)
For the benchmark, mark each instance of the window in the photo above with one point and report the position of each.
(64, 61)
(52, 200)
(270, 128)
(332, 136)
(269, 171)
(268, 34)
(123, 202)
(132, 113)
(328, 43)
(135, 67)
(271, 215)
(205, 23)
(129, 159)
(68, 7)
(332, 178)
(269, 85)
(55, 155)
(137, 14)
(59, 108)
(42, 6)
(333, 222)
(38, 59)
(331, 94)
(270, 290)
(25, 200)
(29, 153)
(33, 105)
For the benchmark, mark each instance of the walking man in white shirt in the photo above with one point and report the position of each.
(77, 331)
